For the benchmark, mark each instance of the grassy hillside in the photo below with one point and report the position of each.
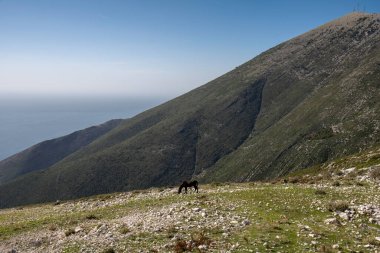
(330, 208)
(339, 117)
(306, 101)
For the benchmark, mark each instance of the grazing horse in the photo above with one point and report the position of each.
(185, 184)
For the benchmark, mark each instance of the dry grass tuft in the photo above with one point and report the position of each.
(69, 232)
(375, 173)
(338, 206)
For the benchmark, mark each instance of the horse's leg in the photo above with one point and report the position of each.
(185, 189)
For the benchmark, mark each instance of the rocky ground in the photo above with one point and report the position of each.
(336, 209)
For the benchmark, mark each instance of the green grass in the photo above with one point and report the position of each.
(277, 224)
(286, 217)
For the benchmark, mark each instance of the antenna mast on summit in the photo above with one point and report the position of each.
(359, 7)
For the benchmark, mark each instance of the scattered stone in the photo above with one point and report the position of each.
(177, 221)
(332, 221)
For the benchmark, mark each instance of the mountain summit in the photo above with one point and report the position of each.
(306, 101)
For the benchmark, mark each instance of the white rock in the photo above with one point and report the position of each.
(331, 221)
(344, 216)
(202, 247)
(349, 170)
(78, 229)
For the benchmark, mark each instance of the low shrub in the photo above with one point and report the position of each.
(338, 206)
(359, 183)
(197, 239)
(109, 250)
(91, 217)
(320, 192)
(124, 230)
(181, 246)
(52, 227)
(373, 242)
(200, 239)
(375, 173)
(69, 232)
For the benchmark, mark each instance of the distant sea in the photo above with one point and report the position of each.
(28, 121)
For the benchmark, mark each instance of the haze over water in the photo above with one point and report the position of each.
(28, 121)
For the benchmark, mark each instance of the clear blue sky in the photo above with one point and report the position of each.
(144, 47)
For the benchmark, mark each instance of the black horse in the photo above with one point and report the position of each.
(185, 184)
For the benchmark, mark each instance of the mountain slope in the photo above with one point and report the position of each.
(306, 101)
(341, 115)
(47, 153)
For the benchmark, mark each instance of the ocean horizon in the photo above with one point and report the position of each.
(28, 121)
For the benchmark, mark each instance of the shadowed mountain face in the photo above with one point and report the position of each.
(306, 101)
(47, 153)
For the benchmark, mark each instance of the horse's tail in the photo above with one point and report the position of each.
(195, 182)
(180, 189)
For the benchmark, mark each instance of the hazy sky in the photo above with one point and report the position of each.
(144, 47)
